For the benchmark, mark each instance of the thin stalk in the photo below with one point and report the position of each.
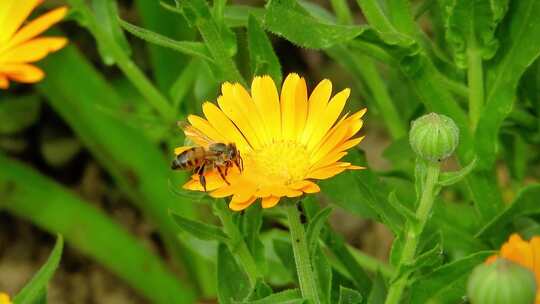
(414, 231)
(475, 78)
(160, 104)
(381, 95)
(342, 10)
(304, 268)
(239, 246)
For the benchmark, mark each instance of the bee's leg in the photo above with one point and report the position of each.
(222, 175)
(202, 178)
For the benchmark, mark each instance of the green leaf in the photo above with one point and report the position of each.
(261, 290)
(59, 151)
(471, 25)
(198, 14)
(323, 274)
(520, 46)
(525, 203)
(378, 291)
(41, 201)
(200, 230)
(166, 63)
(375, 193)
(316, 224)
(375, 15)
(349, 296)
(262, 57)
(450, 178)
(191, 48)
(289, 296)
(367, 199)
(105, 12)
(283, 250)
(184, 83)
(252, 224)
(287, 19)
(402, 209)
(448, 280)
(34, 291)
(17, 114)
(233, 283)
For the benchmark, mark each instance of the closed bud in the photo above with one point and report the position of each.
(434, 137)
(501, 282)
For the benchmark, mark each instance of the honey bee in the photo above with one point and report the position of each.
(207, 155)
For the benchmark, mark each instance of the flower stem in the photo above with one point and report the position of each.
(238, 246)
(412, 235)
(475, 76)
(304, 268)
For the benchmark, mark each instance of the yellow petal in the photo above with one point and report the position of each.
(293, 193)
(25, 73)
(213, 182)
(37, 26)
(13, 14)
(350, 143)
(311, 188)
(265, 97)
(4, 82)
(269, 202)
(326, 172)
(223, 192)
(219, 121)
(33, 50)
(179, 150)
(237, 105)
(306, 186)
(288, 105)
(316, 106)
(329, 117)
(329, 159)
(202, 125)
(241, 205)
(330, 144)
(301, 108)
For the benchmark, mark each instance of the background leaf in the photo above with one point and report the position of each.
(34, 290)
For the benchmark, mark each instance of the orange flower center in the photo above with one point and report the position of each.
(281, 162)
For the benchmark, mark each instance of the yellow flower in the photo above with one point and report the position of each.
(526, 254)
(285, 141)
(19, 44)
(4, 298)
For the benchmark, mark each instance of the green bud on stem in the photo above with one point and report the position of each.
(434, 137)
(501, 282)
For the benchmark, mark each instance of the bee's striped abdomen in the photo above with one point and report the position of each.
(189, 159)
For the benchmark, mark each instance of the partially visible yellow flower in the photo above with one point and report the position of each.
(19, 44)
(526, 254)
(286, 140)
(4, 298)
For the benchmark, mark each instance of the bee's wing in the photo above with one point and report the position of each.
(195, 135)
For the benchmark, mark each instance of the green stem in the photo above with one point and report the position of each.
(238, 246)
(342, 10)
(304, 268)
(130, 70)
(475, 77)
(412, 235)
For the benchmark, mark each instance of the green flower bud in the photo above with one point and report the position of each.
(501, 282)
(434, 137)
